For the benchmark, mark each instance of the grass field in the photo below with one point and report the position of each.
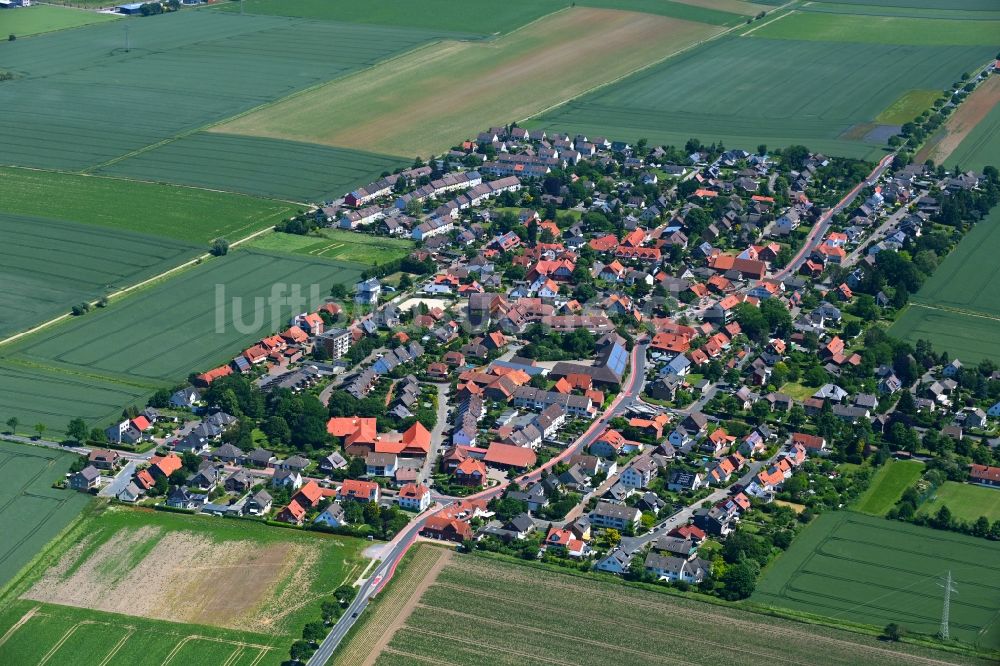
(865, 569)
(337, 244)
(981, 147)
(255, 586)
(973, 5)
(783, 92)
(185, 324)
(882, 30)
(484, 611)
(183, 214)
(268, 167)
(887, 486)
(882, 9)
(909, 105)
(47, 266)
(966, 501)
(42, 18)
(32, 513)
(182, 71)
(434, 97)
(958, 308)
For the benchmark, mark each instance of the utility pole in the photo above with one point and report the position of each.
(949, 589)
(125, 28)
(241, 7)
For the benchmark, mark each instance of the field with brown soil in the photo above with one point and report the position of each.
(969, 114)
(424, 101)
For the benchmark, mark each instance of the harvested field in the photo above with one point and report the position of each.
(393, 606)
(48, 266)
(477, 603)
(432, 97)
(865, 569)
(973, 111)
(180, 213)
(784, 92)
(981, 146)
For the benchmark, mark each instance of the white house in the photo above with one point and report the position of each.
(333, 516)
(414, 497)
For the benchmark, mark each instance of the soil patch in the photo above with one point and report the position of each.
(971, 112)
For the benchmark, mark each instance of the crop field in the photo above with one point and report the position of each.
(859, 568)
(882, 9)
(971, 5)
(38, 394)
(337, 244)
(36, 20)
(179, 213)
(882, 30)
(484, 611)
(255, 587)
(432, 98)
(970, 128)
(179, 73)
(47, 266)
(965, 501)
(32, 513)
(783, 92)
(958, 308)
(193, 322)
(887, 486)
(268, 167)
(981, 146)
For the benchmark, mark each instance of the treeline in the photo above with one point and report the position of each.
(906, 510)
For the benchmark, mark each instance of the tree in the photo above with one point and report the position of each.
(160, 399)
(338, 291)
(314, 632)
(740, 580)
(893, 632)
(12, 423)
(300, 651)
(614, 536)
(77, 430)
(220, 247)
(40, 429)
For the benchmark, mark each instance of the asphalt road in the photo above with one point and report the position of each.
(120, 481)
(396, 548)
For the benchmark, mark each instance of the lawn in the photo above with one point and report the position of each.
(887, 486)
(965, 501)
(865, 569)
(431, 99)
(193, 322)
(338, 244)
(958, 308)
(981, 147)
(32, 513)
(287, 170)
(98, 564)
(42, 18)
(178, 213)
(783, 92)
(910, 105)
(477, 604)
(48, 266)
(882, 30)
(181, 72)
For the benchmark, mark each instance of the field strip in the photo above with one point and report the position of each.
(972, 111)
(647, 66)
(138, 285)
(946, 308)
(420, 658)
(708, 618)
(234, 656)
(17, 625)
(505, 648)
(65, 637)
(118, 646)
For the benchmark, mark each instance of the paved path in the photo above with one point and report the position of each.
(437, 433)
(120, 481)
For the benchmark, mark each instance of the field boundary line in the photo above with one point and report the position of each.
(118, 646)
(946, 308)
(505, 648)
(65, 637)
(17, 625)
(654, 63)
(767, 23)
(419, 658)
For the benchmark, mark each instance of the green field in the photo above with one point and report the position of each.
(910, 105)
(32, 513)
(882, 30)
(47, 266)
(255, 165)
(973, 5)
(169, 330)
(481, 611)
(783, 92)
(883, 9)
(962, 300)
(251, 619)
(36, 20)
(981, 147)
(182, 71)
(887, 486)
(965, 501)
(183, 214)
(337, 244)
(859, 568)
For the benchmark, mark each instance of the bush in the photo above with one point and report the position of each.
(220, 247)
